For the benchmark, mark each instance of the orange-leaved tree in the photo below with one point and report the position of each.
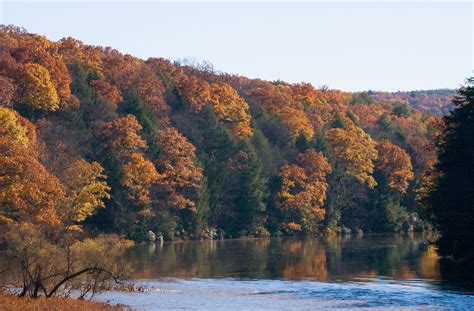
(230, 108)
(139, 174)
(123, 138)
(395, 165)
(177, 162)
(28, 192)
(303, 191)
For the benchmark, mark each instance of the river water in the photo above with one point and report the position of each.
(351, 272)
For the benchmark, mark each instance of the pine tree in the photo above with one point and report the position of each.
(452, 199)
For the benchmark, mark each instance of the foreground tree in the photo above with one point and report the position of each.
(28, 192)
(49, 263)
(452, 197)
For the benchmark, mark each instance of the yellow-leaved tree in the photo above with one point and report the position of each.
(230, 108)
(86, 189)
(11, 128)
(354, 152)
(38, 89)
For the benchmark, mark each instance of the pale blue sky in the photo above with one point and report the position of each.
(351, 46)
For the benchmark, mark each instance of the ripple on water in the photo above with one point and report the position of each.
(232, 294)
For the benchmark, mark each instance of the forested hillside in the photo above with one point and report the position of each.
(111, 143)
(438, 102)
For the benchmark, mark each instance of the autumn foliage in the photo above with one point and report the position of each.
(139, 174)
(394, 163)
(303, 191)
(38, 90)
(94, 139)
(354, 152)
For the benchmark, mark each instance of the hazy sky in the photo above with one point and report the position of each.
(345, 45)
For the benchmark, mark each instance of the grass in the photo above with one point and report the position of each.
(12, 302)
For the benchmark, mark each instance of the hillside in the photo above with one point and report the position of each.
(125, 145)
(438, 102)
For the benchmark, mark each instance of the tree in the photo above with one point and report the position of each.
(452, 198)
(281, 101)
(86, 189)
(195, 91)
(28, 192)
(37, 49)
(355, 153)
(230, 108)
(251, 201)
(107, 90)
(49, 266)
(11, 128)
(401, 109)
(302, 143)
(393, 172)
(181, 175)
(38, 90)
(7, 91)
(74, 50)
(362, 98)
(131, 74)
(303, 191)
(139, 174)
(395, 165)
(123, 138)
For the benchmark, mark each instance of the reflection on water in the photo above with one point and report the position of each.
(350, 272)
(348, 258)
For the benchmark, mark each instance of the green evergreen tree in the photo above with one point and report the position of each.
(302, 143)
(338, 122)
(452, 200)
(253, 192)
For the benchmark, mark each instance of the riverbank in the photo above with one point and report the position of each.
(13, 302)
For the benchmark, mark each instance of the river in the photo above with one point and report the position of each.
(350, 272)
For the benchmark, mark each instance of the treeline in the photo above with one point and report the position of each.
(437, 102)
(99, 141)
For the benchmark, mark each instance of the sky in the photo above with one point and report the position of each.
(353, 46)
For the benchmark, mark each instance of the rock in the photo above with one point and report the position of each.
(345, 230)
(151, 236)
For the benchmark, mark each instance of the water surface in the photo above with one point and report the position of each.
(350, 272)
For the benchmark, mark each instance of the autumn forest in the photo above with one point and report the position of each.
(100, 142)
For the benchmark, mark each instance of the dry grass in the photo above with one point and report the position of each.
(11, 302)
